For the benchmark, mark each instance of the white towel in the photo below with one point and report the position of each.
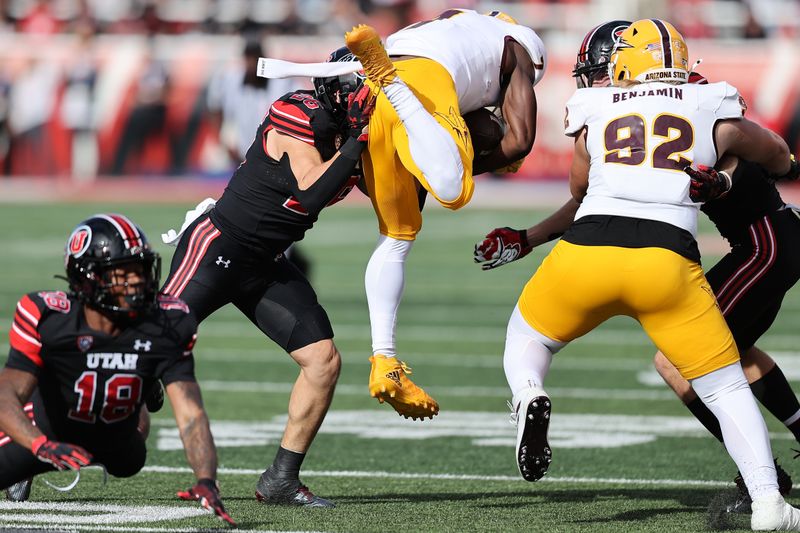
(172, 237)
(277, 68)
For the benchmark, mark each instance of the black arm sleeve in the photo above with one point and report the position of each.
(316, 197)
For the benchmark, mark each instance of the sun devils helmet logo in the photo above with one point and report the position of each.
(79, 241)
(650, 50)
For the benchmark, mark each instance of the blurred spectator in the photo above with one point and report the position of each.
(148, 116)
(40, 20)
(238, 100)
(752, 28)
(77, 107)
(32, 100)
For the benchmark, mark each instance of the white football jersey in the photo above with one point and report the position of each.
(470, 46)
(639, 140)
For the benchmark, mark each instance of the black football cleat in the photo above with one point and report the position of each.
(533, 419)
(20, 491)
(155, 400)
(276, 491)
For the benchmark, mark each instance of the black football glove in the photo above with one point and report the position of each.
(206, 491)
(707, 183)
(360, 106)
(60, 454)
(502, 246)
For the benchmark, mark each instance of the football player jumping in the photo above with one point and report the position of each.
(750, 282)
(89, 359)
(435, 72)
(233, 254)
(632, 249)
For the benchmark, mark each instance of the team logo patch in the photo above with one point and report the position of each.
(79, 241)
(85, 342)
(145, 345)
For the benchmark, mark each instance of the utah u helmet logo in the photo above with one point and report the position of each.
(79, 241)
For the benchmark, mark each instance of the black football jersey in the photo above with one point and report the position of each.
(752, 197)
(260, 207)
(90, 381)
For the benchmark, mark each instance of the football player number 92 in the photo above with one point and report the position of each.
(626, 141)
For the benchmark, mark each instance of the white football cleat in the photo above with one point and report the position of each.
(774, 514)
(531, 408)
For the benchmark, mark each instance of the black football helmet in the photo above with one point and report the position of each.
(591, 65)
(333, 91)
(96, 247)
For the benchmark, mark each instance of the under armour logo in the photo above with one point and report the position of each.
(139, 344)
(223, 262)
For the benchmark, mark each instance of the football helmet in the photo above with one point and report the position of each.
(649, 50)
(591, 64)
(99, 245)
(332, 91)
(505, 17)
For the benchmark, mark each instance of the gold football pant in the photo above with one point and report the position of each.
(578, 287)
(391, 175)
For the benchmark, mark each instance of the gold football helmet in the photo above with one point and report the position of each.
(650, 50)
(503, 16)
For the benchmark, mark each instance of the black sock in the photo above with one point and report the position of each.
(287, 463)
(706, 417)
(775, 393)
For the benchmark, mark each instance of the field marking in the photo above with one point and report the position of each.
(104, 513)
(38, 527)
(456, 477)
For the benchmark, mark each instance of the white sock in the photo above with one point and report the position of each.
(433, 149)
(727, 394)
(527, 355)
(384, 281)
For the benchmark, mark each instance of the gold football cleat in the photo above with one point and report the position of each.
(389, 382)
(365, 43)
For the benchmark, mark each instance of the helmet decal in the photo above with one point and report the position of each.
(79, 241)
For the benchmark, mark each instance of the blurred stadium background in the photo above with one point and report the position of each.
(97, 90)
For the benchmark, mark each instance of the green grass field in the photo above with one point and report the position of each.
(626, 455)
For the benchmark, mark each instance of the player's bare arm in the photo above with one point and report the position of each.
(749, 141)
(16, 387)
(519, 110)
(579, 171)
(187, 404)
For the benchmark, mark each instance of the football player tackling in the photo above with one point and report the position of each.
(632, 250)
(303, 159)
(89, 359)
(435, 72)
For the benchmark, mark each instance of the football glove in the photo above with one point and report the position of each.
(502, 246)
(706, 183)
(206, 492)
(360, 106)
(60, 454)
(511, 168)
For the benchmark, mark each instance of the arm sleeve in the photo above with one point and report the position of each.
(332, 181)
(24, 337)
(575, 118)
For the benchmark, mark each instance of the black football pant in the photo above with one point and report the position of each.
(751, 281)
(209, 270)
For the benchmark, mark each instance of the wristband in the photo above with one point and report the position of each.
(352, 149)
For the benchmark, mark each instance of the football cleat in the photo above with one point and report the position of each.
(20, 491)
(155, 400)
(366, 44)
(774, 514)
(277, 491)
(389, 382)
(742, 503)
(531, 413)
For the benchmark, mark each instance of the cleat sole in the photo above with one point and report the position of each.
(533, 452)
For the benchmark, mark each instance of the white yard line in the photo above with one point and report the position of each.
(459, 477)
